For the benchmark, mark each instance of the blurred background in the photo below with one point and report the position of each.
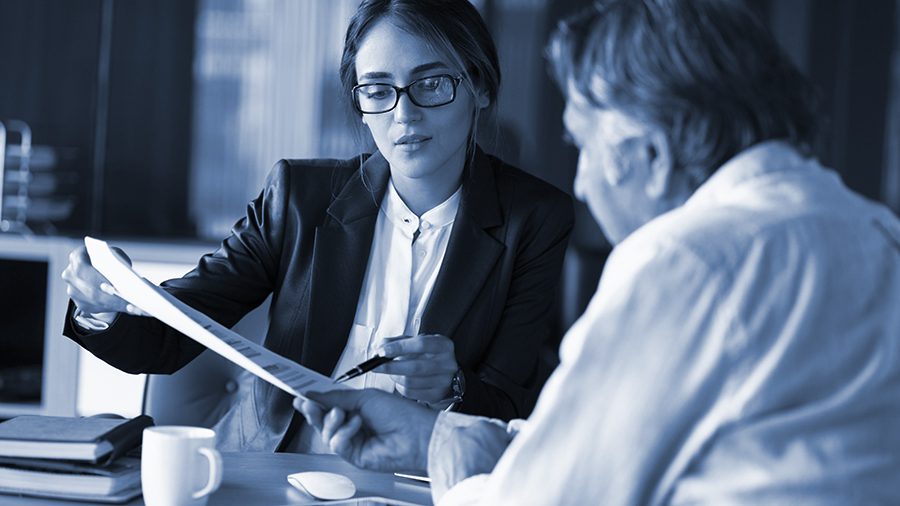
(156, 121)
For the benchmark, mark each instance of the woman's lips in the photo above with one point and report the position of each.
(411, 142)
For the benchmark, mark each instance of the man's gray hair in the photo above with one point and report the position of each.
(707, 72)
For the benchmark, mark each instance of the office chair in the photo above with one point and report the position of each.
(201, 392)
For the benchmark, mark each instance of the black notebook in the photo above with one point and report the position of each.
(87, 439)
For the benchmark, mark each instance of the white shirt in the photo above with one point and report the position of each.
(399, 278)
(741, 349)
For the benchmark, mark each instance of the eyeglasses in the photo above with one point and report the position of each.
(432, 91)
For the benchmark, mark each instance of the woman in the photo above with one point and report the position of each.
(428, 249)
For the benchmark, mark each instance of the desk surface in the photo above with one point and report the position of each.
(261, 478)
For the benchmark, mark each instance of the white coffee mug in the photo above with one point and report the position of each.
(179, 465)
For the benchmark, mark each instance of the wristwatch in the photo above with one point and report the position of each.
(457, 390)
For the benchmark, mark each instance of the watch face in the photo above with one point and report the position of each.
(458, 384)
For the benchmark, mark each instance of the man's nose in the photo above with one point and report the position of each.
(581, 171)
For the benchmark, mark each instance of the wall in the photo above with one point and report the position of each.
(107, 85)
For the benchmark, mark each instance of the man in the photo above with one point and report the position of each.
(743, 346)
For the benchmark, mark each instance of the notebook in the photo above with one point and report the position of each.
(87, 439)
(70, 479)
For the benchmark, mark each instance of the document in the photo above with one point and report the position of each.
(285, 374)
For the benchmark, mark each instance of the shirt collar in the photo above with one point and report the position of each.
(439, 216)
(759, 160)
(444, 213)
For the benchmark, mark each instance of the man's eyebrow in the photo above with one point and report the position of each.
(418, 69)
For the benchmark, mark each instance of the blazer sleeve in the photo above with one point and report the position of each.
(225, 285)
(505, 384)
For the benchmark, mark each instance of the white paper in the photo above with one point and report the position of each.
(285, 374)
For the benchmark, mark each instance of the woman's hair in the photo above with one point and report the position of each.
(452, 28)
(706, 72)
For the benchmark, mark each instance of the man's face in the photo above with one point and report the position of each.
(615, 166)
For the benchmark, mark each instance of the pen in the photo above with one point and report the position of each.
(363, 368)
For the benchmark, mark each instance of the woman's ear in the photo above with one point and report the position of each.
(482, 100)
(659, 163)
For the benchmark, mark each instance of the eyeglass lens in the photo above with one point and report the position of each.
(432, 91)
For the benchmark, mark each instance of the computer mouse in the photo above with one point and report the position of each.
(322, 485)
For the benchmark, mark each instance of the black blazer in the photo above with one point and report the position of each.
(306, 241)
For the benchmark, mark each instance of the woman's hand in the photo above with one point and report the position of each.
(90, 291)
(424, 366)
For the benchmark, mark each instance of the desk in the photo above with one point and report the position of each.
(261, 479)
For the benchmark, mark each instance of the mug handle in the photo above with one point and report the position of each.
(214, 458)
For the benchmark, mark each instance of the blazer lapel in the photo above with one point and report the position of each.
(340, 257)
(471, 253)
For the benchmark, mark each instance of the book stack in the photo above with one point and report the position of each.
(87, 459)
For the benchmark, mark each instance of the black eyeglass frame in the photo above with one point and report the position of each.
(456, 80)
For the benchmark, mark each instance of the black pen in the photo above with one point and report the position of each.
(363, 368)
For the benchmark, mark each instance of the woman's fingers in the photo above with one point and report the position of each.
(424, 366)
(422, 343)
(421, 355)
(91, 292)
(420, 366)
(441, 381)
(90, 298)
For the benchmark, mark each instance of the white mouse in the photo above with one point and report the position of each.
(322, 485)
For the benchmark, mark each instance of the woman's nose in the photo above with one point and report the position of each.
(406, 111)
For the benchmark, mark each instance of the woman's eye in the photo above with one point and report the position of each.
(429, 84)
(377, 94)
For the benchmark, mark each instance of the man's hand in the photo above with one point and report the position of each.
(424, 368)
(371, 429)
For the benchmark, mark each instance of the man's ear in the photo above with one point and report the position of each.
(659, 164)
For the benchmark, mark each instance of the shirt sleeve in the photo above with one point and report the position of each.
(462, 446)
(640, 375)
(90, 322)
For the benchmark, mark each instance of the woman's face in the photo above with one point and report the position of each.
(423, 145)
